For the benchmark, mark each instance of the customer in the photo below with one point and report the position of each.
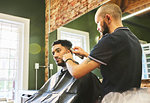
(62, 87)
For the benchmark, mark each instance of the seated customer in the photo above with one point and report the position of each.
(62, 87)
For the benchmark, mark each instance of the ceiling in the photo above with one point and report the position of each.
(132, 6)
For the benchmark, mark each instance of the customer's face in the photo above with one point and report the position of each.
(58, 51)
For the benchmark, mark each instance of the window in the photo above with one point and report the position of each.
(78, 38)
(14, 40)
(146, 61)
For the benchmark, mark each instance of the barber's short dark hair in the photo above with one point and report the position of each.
(112, 9)
(64, 43)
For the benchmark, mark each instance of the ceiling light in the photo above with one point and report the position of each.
(136, 13)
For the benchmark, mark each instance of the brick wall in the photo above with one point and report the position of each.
(64, 11)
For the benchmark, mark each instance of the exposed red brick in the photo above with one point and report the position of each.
(73, 2)
(70, 1)
(83, 1)
(63, 11)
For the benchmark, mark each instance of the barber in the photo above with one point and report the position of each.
(118, 53)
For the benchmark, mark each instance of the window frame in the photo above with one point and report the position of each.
(22, 82)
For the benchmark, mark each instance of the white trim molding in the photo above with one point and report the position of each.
(25, 24)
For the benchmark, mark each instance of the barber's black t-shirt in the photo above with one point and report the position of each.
(120, 56)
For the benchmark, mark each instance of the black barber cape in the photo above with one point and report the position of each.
(63, 88)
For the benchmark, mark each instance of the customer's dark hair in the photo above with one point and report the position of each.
(64, 43)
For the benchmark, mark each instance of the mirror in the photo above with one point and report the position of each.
(139, 25)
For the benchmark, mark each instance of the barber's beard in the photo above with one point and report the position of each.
(105, 27)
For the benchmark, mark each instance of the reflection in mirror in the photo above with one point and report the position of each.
(138, 24)
(77, 38)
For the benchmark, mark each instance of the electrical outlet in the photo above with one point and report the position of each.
(37, 65)
(51, 66)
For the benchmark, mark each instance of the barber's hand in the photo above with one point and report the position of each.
(80, 51)
(67, 55)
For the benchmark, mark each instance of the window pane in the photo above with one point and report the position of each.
(145, 70)
(10, 85)
(4, 53)
(148, 60)
(12, 74)
(2, 85)
(146, 48)
(6, 85)
(9, 35)
(13, 53)
(12, 64)
(145, 76)
(6, 88)
(9, 43)
(7, 74)
(149, 75)
(4, 63)
(147, 55)
(148, 65)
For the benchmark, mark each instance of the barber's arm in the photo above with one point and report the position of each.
(82, 69)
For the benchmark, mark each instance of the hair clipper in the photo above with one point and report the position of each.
(81, 57)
